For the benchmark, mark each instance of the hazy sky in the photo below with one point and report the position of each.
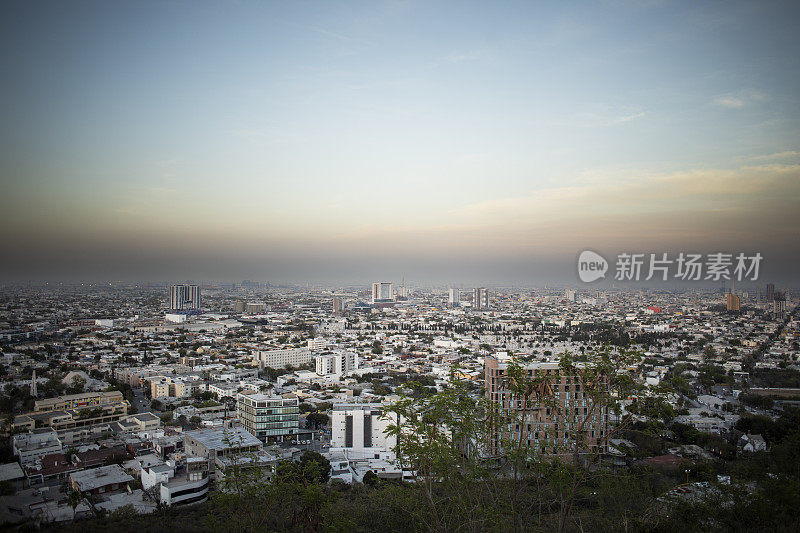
(486, 142)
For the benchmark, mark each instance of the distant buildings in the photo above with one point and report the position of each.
(480, 301)
(402, 292)
(770, 292)
(184, 297)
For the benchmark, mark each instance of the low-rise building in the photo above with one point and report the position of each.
(78, 401)
(30, 446)
(282, 357)
(213, 445)
(178, 484)
(101, 480)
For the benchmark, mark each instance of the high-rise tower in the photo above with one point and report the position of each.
(184, 297)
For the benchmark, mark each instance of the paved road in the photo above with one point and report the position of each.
(140, 402)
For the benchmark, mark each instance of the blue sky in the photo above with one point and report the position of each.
(341, 141)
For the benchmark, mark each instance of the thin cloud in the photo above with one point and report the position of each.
(737, 100)
(788, 154)
(732, 102)
(628, 118)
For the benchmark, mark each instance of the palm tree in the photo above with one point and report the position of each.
(74, 498)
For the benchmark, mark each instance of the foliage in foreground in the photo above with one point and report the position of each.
(458, 489)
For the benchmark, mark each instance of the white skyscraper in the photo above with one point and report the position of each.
(481, 299)
(454, 299)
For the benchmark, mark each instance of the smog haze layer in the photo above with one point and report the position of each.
(485, 143)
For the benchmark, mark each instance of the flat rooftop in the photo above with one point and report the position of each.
(221, 439)
(100, 477)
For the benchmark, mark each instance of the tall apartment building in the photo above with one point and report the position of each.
(269, 418)
(732, 302)
(770, 292)
(480, 299)
(779, 305)
(282, 357)
(338, 306)
(184, 297)
(454, 297)
(382, 292)
(547, 429)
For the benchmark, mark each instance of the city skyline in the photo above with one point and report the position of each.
(483, 144)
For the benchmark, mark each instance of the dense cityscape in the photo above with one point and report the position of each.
(135, 398)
